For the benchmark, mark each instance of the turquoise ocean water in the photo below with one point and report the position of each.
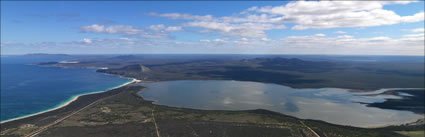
(28, 89)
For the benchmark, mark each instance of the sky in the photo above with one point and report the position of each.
(213, 27)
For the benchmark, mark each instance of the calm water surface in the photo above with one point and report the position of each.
(28, 89)
(333, 105)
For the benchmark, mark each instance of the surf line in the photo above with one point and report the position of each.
(74, 98)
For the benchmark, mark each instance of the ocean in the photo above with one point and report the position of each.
(28, 89)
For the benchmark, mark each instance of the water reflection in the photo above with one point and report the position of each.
(333, 105)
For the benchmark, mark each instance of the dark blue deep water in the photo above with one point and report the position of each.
(28, 89)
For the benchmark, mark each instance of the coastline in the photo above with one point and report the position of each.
(123, 89)
(68, 102)
(133, 80)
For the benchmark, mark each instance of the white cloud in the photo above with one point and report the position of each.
(340, 32)
(320, 35)
(265, 39)
(174, 28)
(255, 21)
(418, 30)
(161, 27)
(128, 39)
(345, 44)
(414, 37)
(93, 28)
(183, 16)
(204, 40)
(345, 36)
(86, 41)
(414, 18)
(158, 27)
(237, 30)
(100, 42)
(249, 26)
(334, 14)
(399, 2)
(159, 31)
(219, 40)
(111, 29)
(381, 38)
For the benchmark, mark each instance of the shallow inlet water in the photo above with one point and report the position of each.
(333, 105)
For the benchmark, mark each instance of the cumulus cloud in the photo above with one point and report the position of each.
(161, 27)
(414, 37)
(345, 36)
(183, 16)
(340, 32)
(237, 30)
(335, 14)
(418, 30)
(253, 18)
(247, 31)
(111, 29)
(159, 31)
(256, 21)
(174, 28)
(249, 26)
(265, 39)
(313, 14)
(414, 18)
(86, 41)
(320, 35)
(205, 40)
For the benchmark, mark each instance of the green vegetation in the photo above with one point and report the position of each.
(414, 103)
(293, 72)
(412, 133)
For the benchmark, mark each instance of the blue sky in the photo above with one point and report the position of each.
(213, 27)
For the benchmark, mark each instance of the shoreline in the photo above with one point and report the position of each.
(382, 90)
(66, 103)
(123, 89)
(133, 80)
